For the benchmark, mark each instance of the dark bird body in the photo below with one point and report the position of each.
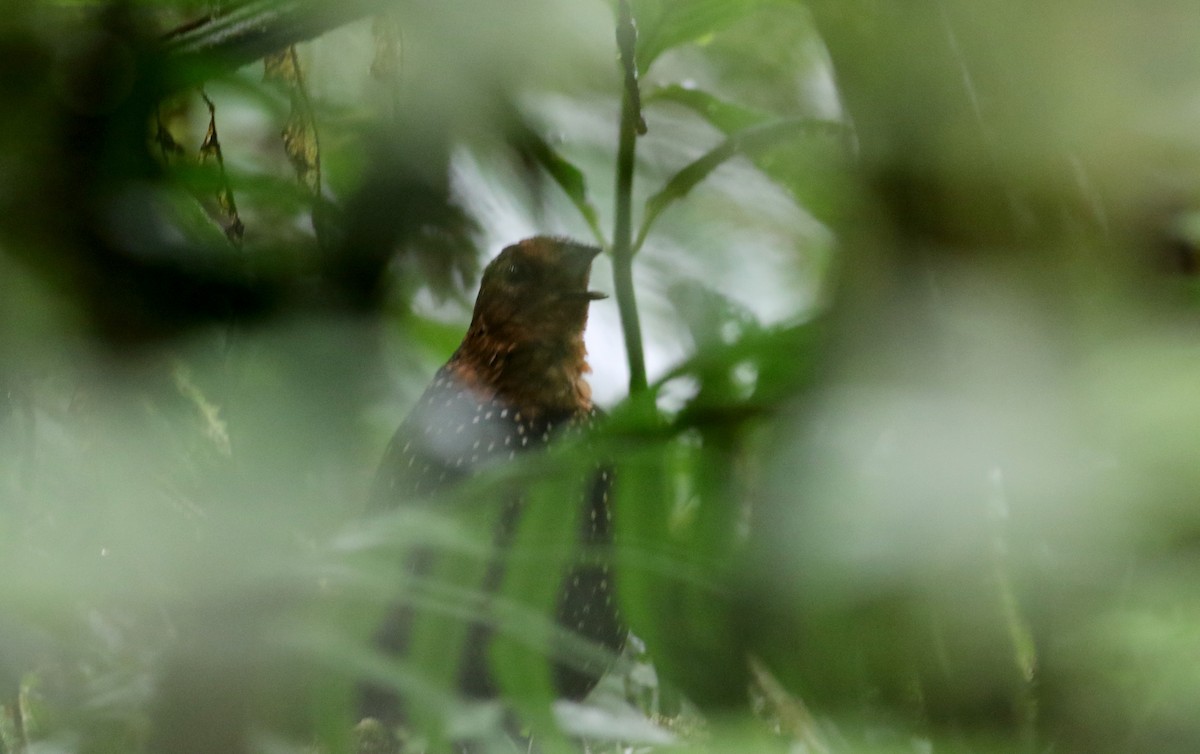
(514, 384)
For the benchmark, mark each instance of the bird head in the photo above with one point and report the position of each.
(525, 344)
(536, 292)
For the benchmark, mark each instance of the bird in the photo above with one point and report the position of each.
(514, 385)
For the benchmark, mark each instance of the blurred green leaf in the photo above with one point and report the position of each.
(810, 168)
(728, 117)
(816, 490)
(441, 640)
(522, 661)
(568, 177)
(247, 30)
(752, 141)
(643, 501)
(663, 24)
(681, 535)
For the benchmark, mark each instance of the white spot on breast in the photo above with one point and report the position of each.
(504, 414)
(524, 441)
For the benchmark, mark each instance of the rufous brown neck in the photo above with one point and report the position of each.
(534, 375)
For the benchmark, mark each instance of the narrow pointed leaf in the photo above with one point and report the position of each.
(533, 578)
(749, 142)
(568, 177)
(727, 117)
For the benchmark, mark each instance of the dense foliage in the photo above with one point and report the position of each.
(900, 368)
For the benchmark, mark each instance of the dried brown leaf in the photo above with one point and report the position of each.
(300, 131)
(226, 212)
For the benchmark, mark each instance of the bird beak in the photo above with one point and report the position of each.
(580, 258)
(585, 295)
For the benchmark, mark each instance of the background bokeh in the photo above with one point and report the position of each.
(915, 468)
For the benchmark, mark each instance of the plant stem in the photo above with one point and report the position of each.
(631, 124)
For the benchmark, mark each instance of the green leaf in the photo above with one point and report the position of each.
(663, 24)
(704, 608)
(440, 636)
(643, 498)
(783, 360)
(752, 141)
(810, 169)
(813, 171)
(520, 653)
(673, 553)
(727, 117)
(568, 177)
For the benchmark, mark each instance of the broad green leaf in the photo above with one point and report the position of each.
(663, 24)
(783, 360)
(812, 170)
(727, 117)
(673, 552)
(643, 501)
(809, 168)
(705, 607)
(751, 141)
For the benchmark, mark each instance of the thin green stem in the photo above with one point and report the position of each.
(631, 124)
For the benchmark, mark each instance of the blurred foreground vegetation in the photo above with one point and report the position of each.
(905, 414)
